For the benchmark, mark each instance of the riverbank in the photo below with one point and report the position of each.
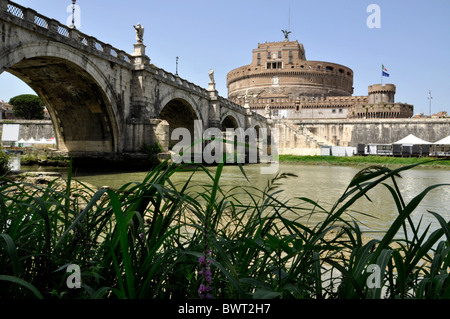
(44, 159)
(428, 162)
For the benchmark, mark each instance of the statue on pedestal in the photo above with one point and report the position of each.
(139, 33)
(286, 34)
(267, 111)
(211, 76)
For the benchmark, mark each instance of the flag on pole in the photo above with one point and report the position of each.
(384, 71)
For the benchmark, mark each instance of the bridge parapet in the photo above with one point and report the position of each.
(175, 80)
(240, 109)
(54, 29)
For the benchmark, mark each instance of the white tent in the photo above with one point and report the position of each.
(42, 141)
(444, 141)
(412, 140)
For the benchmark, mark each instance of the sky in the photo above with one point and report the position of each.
(411, 39)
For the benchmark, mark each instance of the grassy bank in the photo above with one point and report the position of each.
(43, 159)
(366, 160)
(153, 239)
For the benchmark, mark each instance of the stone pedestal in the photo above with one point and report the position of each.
(212, 87)
(140, 58)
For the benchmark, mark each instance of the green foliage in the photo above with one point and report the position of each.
(364, 160)
(144, 241)
(152, 149)
(152, 152)
(28, 106)
(4, 163)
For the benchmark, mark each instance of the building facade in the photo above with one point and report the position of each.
(281, 83)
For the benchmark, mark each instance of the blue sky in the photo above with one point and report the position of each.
(412, 42)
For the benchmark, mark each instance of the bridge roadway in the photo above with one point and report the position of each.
(102, 100)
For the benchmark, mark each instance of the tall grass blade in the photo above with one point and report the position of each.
(444, 226)
(10, 248)
(392, 231)
(122, 227)
(23, 283)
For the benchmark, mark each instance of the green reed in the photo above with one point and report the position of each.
(145, 240)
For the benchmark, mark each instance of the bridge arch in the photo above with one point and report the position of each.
(257, 127)
(179, 113)
(79, 98)
(229, 121)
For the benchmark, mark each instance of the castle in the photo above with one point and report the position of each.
(281, 83)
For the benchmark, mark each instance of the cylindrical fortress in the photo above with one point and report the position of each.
(279, 76)
(381, 93)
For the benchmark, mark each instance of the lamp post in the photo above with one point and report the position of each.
(176, 73)
(429, 99)
(73, 14)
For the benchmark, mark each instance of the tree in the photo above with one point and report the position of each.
(28, 106)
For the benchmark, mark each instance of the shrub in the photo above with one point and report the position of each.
(4, 163)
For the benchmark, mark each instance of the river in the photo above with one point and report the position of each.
(323, 184)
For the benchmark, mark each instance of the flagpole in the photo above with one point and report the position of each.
(382, 75)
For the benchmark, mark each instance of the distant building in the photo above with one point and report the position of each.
(282, 83)
(7, 112)
(440, 115)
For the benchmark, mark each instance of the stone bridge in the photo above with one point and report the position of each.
(102, 100)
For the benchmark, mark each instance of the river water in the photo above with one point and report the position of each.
(322, 184)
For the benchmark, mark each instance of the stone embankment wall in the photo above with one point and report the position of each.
(306, 137)
(299, 137)
(32, 129)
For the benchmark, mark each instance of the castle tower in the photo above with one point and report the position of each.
(382, 93)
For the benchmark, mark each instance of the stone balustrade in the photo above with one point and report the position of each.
(34, 19)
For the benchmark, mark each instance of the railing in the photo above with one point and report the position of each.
(55, 27)
(171, 78)
(231, 105)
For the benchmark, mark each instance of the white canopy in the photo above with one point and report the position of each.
(412, 140)
(444, 141)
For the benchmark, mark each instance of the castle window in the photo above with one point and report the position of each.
(319, 67)
(329, 68)
(274, 65)
(259, 58)
(269, 55)
(279, 54)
